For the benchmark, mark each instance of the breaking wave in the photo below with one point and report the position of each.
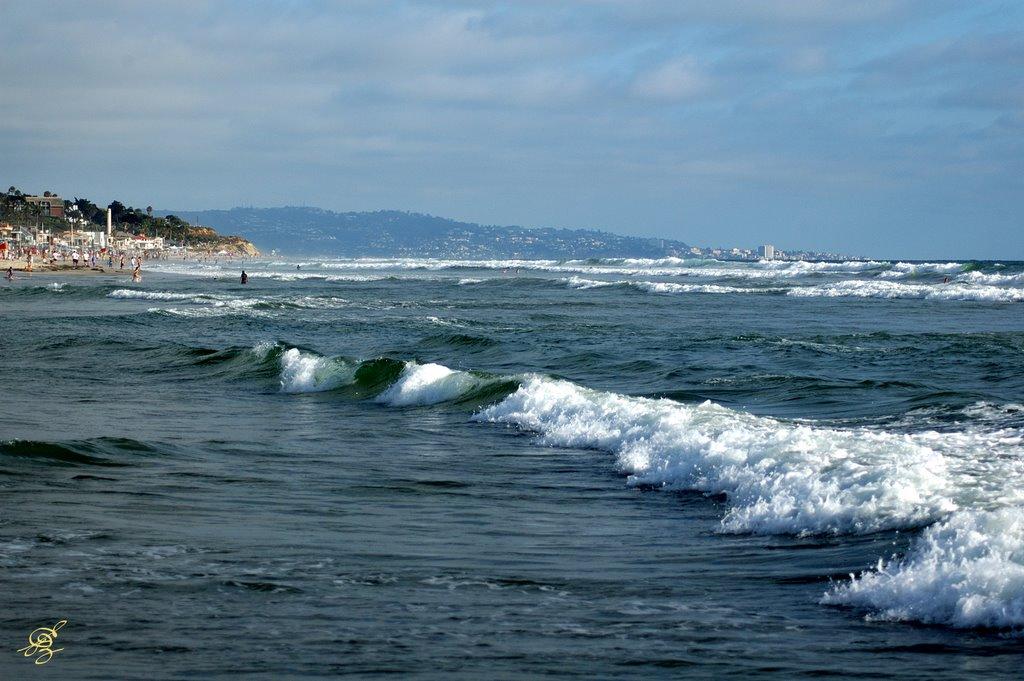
(777, 476)
(853, 288)
(865, 279)
(229, 302)
(663, 286)
(890, 289)
(964, 572)
(423, 384)
(305, 372)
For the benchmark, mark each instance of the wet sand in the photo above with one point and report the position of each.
(40, 266)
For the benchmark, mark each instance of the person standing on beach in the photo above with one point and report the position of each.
(28, 260)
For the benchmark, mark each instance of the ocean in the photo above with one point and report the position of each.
(449, 469)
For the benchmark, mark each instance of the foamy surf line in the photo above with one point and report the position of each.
(779, 477)
(582, 284)
(964, 572)
(890, 290)
(854, 288)
(224, 301)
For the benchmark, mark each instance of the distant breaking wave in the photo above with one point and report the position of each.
(867, 279)
(889, 289)
(665, 286)
(671, 266)
(233, 302)
(843, 289)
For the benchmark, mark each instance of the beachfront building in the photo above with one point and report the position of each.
(131, 243)
(16, 237)
(51, 205)
(88, 240)
(767, 252)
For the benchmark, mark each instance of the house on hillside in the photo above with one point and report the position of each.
(53, 206)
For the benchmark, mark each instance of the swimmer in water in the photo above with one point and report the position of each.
(245, 277)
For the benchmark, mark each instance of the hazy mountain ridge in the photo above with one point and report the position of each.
(314, 231)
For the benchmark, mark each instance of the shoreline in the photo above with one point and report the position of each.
(21, 268)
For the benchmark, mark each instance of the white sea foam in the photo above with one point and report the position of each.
(779, 477)
(206, 312)
(423, 384)
(582, 284)
(967, 571)
(308, 373)
(133, 294)
(856, 288)
(306, 302)
(910, 270)
(670, 287)
(976, 277)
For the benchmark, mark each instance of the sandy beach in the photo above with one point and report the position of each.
(39, 266)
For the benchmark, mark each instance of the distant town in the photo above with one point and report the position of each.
(36, 223)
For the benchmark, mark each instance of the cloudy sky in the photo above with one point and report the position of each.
(888, 128)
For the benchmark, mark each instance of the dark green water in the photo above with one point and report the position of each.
(610, 469)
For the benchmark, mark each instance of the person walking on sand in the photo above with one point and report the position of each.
(74, 259)
(28, 260)
(122, 262)
(245, 277)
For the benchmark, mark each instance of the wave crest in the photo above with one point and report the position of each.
(779, 477)
(965, 572)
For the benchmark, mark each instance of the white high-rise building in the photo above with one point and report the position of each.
(767, 252)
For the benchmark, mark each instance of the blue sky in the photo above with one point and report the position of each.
(886, 128)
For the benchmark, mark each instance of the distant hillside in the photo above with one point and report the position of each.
(314, 231)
